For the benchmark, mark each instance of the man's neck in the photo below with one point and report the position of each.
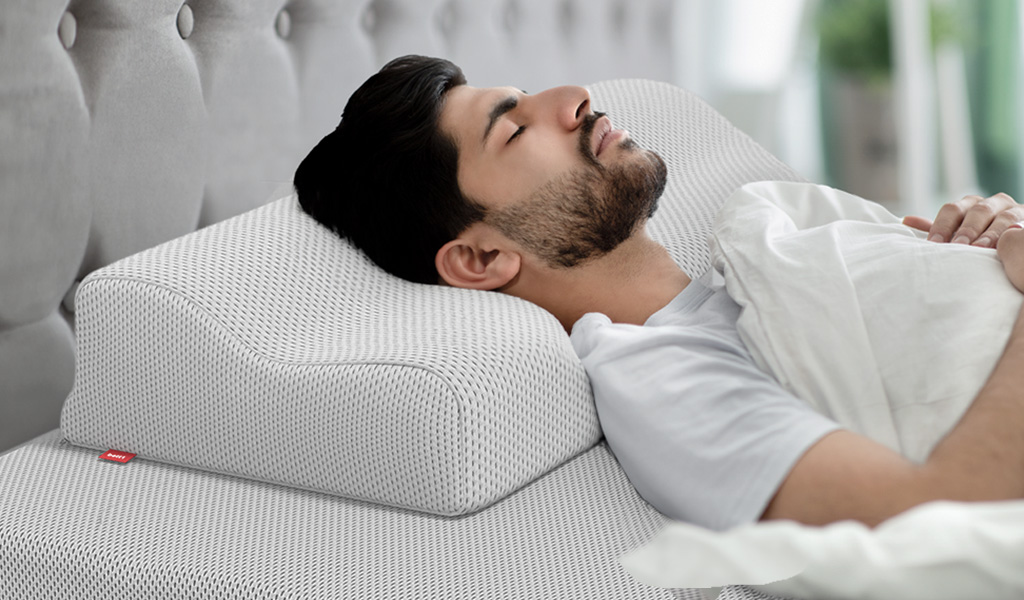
(628, 285)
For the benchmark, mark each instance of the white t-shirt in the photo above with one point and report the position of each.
(703, 434)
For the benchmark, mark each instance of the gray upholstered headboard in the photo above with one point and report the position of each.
(125, 123)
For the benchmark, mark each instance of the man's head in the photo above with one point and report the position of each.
(435, 179)
(386, 177)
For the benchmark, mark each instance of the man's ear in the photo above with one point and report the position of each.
(462, 263)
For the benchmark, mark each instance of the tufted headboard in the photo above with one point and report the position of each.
(125, 123)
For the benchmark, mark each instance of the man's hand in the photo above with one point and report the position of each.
(971, 220)
(1011, 251)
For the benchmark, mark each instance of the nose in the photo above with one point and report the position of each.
(568, 104)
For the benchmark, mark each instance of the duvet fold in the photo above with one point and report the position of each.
(860, 316)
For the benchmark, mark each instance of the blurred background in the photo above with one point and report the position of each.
(910, 103)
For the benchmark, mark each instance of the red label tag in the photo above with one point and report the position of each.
(117, 456)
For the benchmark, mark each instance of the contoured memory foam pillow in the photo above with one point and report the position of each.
(266, 347)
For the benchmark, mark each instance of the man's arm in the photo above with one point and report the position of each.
(848, 476)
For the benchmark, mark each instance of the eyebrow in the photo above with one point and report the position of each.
(499, 109)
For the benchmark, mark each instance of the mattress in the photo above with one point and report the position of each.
(80, 527)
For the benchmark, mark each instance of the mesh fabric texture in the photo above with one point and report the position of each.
(82, 529)
(72, 526)
(266, 347)
(77, 528)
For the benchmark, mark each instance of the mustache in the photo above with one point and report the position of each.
(586, 130)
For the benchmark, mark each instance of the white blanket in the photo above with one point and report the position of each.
(889, 334)
(937, 551)
(892, 336)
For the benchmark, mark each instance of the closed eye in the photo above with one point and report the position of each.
(521, 129)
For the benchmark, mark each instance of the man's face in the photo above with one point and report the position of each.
(554, 176)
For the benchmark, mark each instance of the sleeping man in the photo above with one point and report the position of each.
(540, 197)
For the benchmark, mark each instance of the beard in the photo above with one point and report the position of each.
(588, 212)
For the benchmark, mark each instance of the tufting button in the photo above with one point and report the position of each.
(69, 298)
(67, 30)
(619, 18)
(566, 17)
(446, 19)
(185, 21)
(511, 16)
(283, 24)
(369, 19)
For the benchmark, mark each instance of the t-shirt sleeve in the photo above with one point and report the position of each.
(703, 435)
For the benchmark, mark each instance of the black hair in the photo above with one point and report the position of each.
(387, 177)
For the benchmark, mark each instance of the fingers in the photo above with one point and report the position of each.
(919, 223)
(1000, 225)
(976, 220)
(950, 217)
(986, 221)
(1012, 243)
(1010, 249)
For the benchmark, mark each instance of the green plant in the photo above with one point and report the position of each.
(854, 36)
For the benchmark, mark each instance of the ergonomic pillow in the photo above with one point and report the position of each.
(266, 347)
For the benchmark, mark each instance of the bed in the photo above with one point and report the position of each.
(130, 124)
(298, 432)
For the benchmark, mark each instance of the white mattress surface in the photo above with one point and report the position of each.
(82, 528)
